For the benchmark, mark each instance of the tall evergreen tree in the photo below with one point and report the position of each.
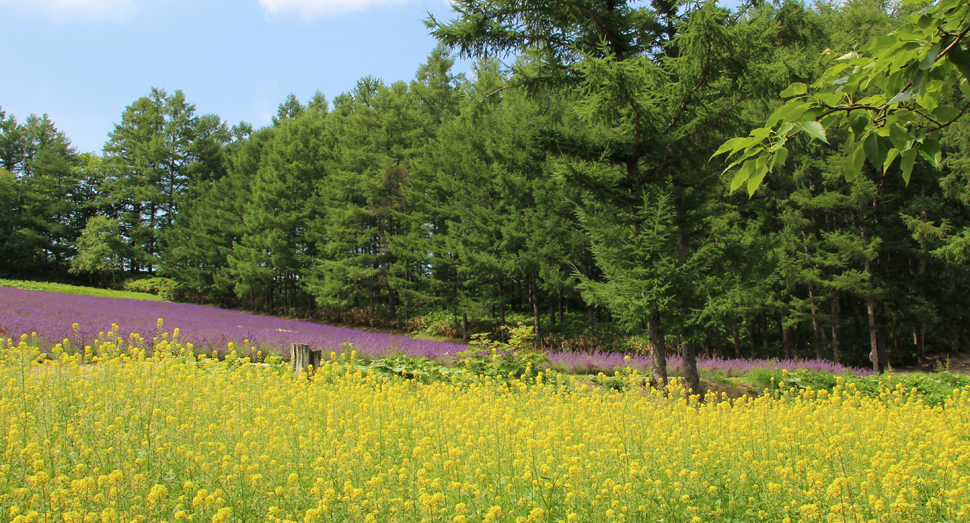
(161, 155)
(276, 250)
(43, 162)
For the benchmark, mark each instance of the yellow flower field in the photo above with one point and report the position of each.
(166, 438)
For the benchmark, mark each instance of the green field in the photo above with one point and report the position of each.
(63, 288)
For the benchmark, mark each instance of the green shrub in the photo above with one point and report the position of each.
(165, 288)
(933, 388)
(504, 361)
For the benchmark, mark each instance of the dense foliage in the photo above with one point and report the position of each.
(572, 182)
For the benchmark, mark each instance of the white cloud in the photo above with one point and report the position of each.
(314, 8)
(68, 8)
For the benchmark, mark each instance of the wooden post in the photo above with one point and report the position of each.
(302, 358)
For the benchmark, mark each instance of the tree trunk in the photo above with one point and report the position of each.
(658, 349)
(954, 338)
(559, 301)
(764, 332)
(883, 352)
(785, 342)
(536, 315)
(501, 313)
(898, 343)
(552, 311)
(589, 315)
(836, 323)
(391, 304)
(816, 327)
(751, 327)
(737, 341)
(873, 336)
(464, 325)
(920, 334)
(691, 379)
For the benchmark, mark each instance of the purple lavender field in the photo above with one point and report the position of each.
(52, 316)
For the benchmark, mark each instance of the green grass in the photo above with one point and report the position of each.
(74, 289)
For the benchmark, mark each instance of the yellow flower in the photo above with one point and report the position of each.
(157, 494)
(222, 516)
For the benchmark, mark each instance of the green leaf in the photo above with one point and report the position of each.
(829, 99)
(906, 32)
(761, 133)
(905, 115)
(859, 123)
(900, 137)
(852, 165)
(783, 112)
(781, 155)
(743, 174)
(755, 181)
(959, 56)
(815, 130)
(931, 57)
(902, 97)
(906, 164)
(877, 44)
(732, 145)
(918, 80)
(812, 114)
(930, 150)
(961, 59)
(890, 157)
(928, 102)
(945, 113)
(795, 89)
(796, 112)
(831, 120)
(875, 149)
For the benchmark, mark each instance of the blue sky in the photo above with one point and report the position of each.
(83, 61)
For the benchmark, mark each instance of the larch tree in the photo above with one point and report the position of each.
(660, 88)
(161, 155)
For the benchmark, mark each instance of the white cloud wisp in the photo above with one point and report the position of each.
(308, 9)
(69, 8)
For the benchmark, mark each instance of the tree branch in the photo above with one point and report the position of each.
(504, 87)
(597, 188)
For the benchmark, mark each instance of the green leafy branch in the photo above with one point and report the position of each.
(887, 94)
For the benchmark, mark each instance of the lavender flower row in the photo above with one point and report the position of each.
(54, 316)
(580, 362)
